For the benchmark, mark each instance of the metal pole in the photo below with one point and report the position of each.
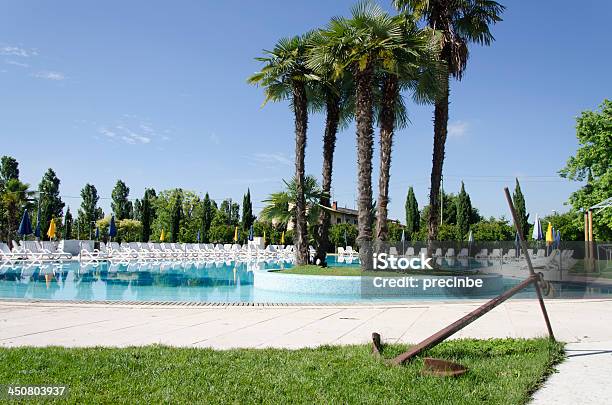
(441, 200)
(517, 225)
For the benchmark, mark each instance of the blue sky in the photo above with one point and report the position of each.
(155, 93)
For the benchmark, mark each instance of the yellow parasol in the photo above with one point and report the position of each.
(162, 236)
(236, 234)
(51, 231)
(282, 238)
(549, 235)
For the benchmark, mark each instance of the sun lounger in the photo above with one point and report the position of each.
(410, 251)
(450, 253)
(483, 254)
(7, 256)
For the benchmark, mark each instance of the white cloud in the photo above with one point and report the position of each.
(271, 158)
(17, 51)
(457, 128)
(131, 136)
(214, 138)
(57, 76)
(15, 63)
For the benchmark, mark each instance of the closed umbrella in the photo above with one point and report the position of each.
(162, 236)
(198, 236)
(470, 242)
(37, 230)
(25, 226)
(558, 239)
(264, 239)
(282, 241)
(549, 237)
(97, 233)
(517, 245)
(251, 233)
(236, 234)
(112, 228)
(52, 229)
(537, 229)
(403, 241)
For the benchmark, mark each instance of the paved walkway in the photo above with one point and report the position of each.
(584, 378)
(41, 324)
(585, 324)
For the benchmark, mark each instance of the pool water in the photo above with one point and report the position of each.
(176, 281)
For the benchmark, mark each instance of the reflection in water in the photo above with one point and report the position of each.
(199, 281)
(191, 281)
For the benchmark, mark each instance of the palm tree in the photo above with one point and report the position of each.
(281, 206)
(333, 94)
(286, 76)
(414, 67)
(355, 46)
(459, 22)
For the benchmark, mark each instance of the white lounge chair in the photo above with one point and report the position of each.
(7, 256)
(495, 254)
(450, 253)
(483, 254)
(463, 253)
(410, 251)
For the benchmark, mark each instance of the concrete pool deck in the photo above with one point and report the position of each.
(222, 327)
(585, 324)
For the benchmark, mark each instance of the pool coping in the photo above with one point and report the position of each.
(200, 304)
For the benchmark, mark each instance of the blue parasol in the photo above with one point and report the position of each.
(517, 245)
(37, 230)
(251, 233)
(97, 233)
(112, 228)
(25, 227)
(198, 236)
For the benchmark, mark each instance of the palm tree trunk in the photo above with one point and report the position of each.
(387, 126)
(301, 124)
(329, 145)
(440, 132)
(365, 144)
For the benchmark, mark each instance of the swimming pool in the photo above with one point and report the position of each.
(200, 282)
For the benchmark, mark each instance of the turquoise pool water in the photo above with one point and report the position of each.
(200, 282)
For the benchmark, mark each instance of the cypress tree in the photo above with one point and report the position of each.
(121, 206)
(68, 224)
(177, 213)
(247, 211)
(207, 216)
(464, 212)
(51, 205)
(146, 214)
(89, 211)
(413, 220)
(519, 205)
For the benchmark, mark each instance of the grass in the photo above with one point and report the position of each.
(501, 371)
(313, 270)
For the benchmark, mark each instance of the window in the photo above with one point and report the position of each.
(338, 220)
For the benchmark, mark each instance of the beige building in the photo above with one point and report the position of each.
(340, 215)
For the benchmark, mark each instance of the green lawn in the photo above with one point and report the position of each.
(501, 372)
(314, 270)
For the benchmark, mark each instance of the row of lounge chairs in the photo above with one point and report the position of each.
(33, 251)
(140, 251)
